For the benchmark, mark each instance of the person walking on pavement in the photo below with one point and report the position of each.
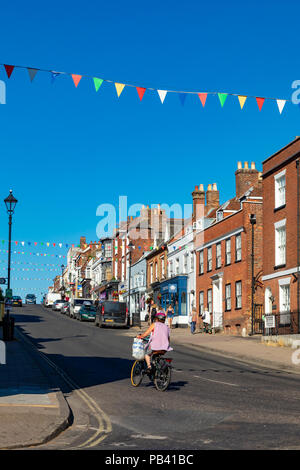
(153, 311)
(206, 321)
(170, 315)
(194, 320)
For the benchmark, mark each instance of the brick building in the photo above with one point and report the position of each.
(223, 254)
(281, 234)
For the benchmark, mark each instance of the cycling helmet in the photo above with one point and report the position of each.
(160, 315)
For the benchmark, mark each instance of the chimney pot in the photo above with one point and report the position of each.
(209, 187)
(239, 165)
(201, 187)
(246, 166)
(252, 165)
(215, 187)
(196, 188)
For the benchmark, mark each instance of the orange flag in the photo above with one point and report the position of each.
(141, 92)
(76, 79)
(202, 97)
(260, 102)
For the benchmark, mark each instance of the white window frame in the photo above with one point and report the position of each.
(201, 302)
(284, 306)
(280, 250)
(238, 295)
(227, 297)
(280, 190)
(218, 255)
(238, 249)
(209, 258)
(228, 251)
(201, 262)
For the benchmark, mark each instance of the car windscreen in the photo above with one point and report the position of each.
(30, 296)
(114, 307)
(79, 301)
(90, 308)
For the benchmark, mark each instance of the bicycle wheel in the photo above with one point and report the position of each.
(137, 373)
(162, 376)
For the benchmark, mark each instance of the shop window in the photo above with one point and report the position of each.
(183, 303)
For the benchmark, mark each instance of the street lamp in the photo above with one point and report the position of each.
(130, 248)
(62, 278)
(8, 324)
(252, 222)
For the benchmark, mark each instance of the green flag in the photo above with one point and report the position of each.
(98, 82)
(222, 98)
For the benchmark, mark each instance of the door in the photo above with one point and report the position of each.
(217, 304)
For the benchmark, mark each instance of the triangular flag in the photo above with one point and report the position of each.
(32, 73)
(242, 100)
(53, 76)
(182, 97)
(202, 97)
(281, 104)
(260, 102)
(162, 94)
(76, 79)
(222, 98)
(9, 69)
(119, 88)
(141, 92)
(97, 82)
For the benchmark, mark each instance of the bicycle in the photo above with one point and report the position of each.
(159, 374)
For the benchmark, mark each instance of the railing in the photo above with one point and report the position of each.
(285, 323)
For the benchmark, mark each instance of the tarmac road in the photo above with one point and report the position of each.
(212, 403)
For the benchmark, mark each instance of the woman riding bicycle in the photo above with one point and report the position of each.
(159, 337)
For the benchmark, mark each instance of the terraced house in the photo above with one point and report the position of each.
(229, 256)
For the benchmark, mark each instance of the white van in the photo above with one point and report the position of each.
(76, 303)
(51, 297)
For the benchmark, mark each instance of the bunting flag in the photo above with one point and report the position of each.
(242, 100)
(119, 88)
(32, 71)
(222, 98)
(281, 105)
(202, 97)
(76, 79)
(162, 94)
(141, 92)
(182, 97)
(97, 82)
(260, 102)
(9, 69)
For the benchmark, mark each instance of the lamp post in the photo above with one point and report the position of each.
(8, 323)
(252, 222)
(130, 248)
(62, 279)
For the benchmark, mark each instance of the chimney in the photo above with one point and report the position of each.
(212, 197)
(245, 178)
(198, 202)
(82, 242)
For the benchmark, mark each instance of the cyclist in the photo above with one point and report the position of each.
(159, 337)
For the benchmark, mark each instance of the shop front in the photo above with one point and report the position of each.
(174, 292)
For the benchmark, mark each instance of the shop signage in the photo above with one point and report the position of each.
(270, 321)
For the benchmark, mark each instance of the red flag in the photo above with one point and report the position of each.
(141, 92)
(53, 244)
(76, 79)
(202, 97)
(9, 69)
(260, 102)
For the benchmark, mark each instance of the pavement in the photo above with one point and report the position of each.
(33, 409)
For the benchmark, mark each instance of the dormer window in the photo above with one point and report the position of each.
(220, 215)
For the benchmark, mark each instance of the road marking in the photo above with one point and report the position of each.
(216, 381)
(148, 436)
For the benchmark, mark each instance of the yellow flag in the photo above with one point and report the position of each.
(242, 100)
(119, 88)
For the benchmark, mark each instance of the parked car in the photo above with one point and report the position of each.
(65, 308)
(75, 305)
(16, 300)
(86, 312)
(50, 298)
(111, 313)
(30, 299)
(58, 304)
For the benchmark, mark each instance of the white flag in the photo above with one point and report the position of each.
(281, 104)
(162, 94)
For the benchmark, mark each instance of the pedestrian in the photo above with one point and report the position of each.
(193, 320)
(170, 315)
(153, 311)
(206, 320)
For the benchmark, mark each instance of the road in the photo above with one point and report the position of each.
(212, 403)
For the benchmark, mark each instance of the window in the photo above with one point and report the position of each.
(238, 247)
(177, 266)
(228, 297)
(201, 302)
(280, 243)
(218, 255)
(209, 300)
(183, 303)
(284, 301)
(171, 268)
(228, 251)
(185, 263)
(238, 294)
(162, 263)
(201, 262)
(156, 272)
(192, 261)
(209, 259)
(151, 272)
(279, 181)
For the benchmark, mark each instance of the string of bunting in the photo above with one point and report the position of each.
(35, 254)
(141, 90)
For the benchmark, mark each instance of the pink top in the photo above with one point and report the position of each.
(160, 337)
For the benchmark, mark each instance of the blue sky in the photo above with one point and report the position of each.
(65, 151)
